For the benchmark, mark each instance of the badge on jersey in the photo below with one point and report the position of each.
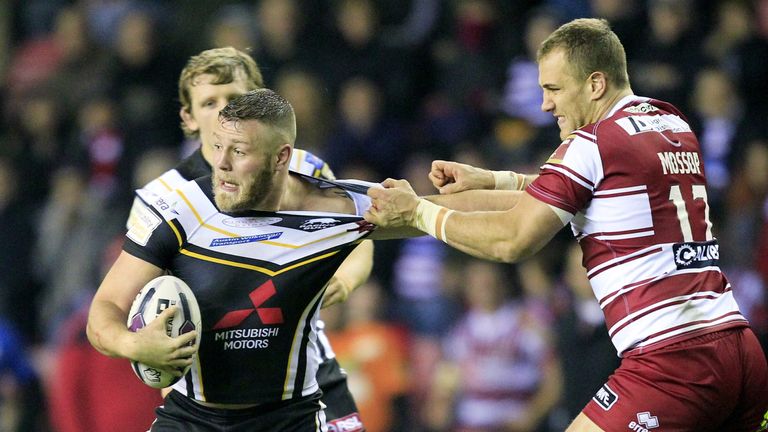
(142, 222)
(605, 397)
(559, 154)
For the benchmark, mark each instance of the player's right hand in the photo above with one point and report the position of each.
(151, 345)
(452, 177)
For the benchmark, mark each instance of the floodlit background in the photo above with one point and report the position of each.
(89, 111)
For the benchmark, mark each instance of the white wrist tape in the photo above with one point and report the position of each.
(431, 218)
(504, 180)
(508, 180)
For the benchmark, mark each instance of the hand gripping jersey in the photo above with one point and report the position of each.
(634, 187)
(258, 278)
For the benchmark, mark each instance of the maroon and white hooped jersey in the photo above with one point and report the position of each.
(634, 189)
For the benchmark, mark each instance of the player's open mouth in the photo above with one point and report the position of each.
(560, 121)
(227, 186)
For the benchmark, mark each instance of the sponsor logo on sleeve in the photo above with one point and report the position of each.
(142, 222)
(605, 397)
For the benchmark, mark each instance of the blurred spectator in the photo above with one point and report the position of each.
(89, 391)
(374, 353)
(101, 149)
(413, 27)
(90, 85)
(80, 70)
(356, 49)
(144, 75)
(365, 134)
(232, 26)
(18, 287)
(522, 95)
(717, 117)
(745, 205)
(467, 56)
(37, 141)
(311, 105)
(670, 56)
(734, 25)
(73, 230)
(500, 370)
(587, 354)
(283, 41)
(626, 18)
(515, 144)
(20, 395)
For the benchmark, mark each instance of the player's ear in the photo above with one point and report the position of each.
(188, 119)
(283, 156)
(597, 84)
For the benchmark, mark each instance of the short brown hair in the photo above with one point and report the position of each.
(590, 46)
(264, 105)
(223, 64)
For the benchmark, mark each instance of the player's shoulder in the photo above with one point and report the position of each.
(307, 163)
(633, 116)
(189, 202)
(166, 182)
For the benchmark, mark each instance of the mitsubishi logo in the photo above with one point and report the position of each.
(258, 296)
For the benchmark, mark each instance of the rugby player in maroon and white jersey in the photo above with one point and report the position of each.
(629, 177)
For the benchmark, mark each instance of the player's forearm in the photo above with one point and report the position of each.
(507, 236)
(511, 181)
(477, 200)
(107, 330)
(356, 268)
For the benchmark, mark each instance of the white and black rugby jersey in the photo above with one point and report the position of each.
(634, 187)
(195, 166)
(258, 278)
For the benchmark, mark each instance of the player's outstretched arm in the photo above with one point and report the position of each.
(453, 177)
(496, 235)
(107, 330)
(477, 200)
(352, 273)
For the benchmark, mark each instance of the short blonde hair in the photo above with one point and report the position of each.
(224, 64)
(590, 46)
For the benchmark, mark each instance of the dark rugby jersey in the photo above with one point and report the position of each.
(258, 278)
(195, 166)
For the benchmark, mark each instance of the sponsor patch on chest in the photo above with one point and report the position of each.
(696, 254)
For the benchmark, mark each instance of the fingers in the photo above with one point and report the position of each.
(451, 188)
(166, 315)
(187, 338)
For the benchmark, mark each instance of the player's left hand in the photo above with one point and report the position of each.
(393, 205)
(337, 291)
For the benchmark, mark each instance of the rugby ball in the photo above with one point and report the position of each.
(156, 296)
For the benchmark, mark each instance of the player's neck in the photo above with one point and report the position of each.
(604, 106)
(294, 194)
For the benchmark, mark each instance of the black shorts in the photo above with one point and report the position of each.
(180, 414)
(340, 410)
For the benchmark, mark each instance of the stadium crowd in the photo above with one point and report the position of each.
(434, 341)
